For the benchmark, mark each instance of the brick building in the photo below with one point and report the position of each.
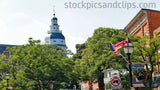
(3, 50)
(146, 22)
(86, 85)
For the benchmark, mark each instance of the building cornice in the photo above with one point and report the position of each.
(136, 18)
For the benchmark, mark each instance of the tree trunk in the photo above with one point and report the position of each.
(40, 85)
(151, 71)
(101, 83)
(101, 86)
(150, 83)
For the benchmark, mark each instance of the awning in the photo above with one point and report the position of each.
(138, 85)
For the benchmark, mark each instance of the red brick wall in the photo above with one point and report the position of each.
(146, 28)
(94, 85)
(150, 25)
(139, 32)
(143, 28)
(158, 31)
(154, 21)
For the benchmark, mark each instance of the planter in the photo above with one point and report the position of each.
(141, 77)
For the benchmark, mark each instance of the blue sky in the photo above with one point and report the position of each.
(21, 19)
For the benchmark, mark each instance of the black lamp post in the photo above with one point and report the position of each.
(7, 77)
(128, 49)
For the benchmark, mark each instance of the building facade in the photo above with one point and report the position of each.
(145, 23)
(86, 85)
(108, 74)
(55, 36)
(3, 50)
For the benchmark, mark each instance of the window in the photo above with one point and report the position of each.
(54, 41)
(115, 74)
(109, 74)
(106, 75)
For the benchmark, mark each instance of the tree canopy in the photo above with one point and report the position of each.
(35, 66)
(97, 56)
(146, 52)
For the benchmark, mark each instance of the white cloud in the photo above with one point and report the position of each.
(42, 25)
(72, 41)
(3, 26)
(3, 30)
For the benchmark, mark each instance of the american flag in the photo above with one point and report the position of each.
(117, 46)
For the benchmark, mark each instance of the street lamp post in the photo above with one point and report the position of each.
(128, 49)
(7, 77)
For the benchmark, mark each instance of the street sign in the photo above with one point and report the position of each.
(116, 83)
(137, 66)
(74, 87)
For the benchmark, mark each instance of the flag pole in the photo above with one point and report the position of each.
(124, 58)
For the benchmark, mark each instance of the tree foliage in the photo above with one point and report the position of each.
(35, 66)
(147, 51)
(97, 56)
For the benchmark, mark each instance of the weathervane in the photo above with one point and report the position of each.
(54, 11)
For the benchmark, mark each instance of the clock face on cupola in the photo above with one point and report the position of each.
(55, 35)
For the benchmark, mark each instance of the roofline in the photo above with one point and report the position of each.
(110, 69)
(150, 10)
(138, 14)
(8, 45)
(133, 18)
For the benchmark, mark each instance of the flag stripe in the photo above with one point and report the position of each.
(117, 46)
(113, 49)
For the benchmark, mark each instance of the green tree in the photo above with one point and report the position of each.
(79, 50)
(35, 66)
(125, 81)
(147, 50)
(97, 55)
(5, 66)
